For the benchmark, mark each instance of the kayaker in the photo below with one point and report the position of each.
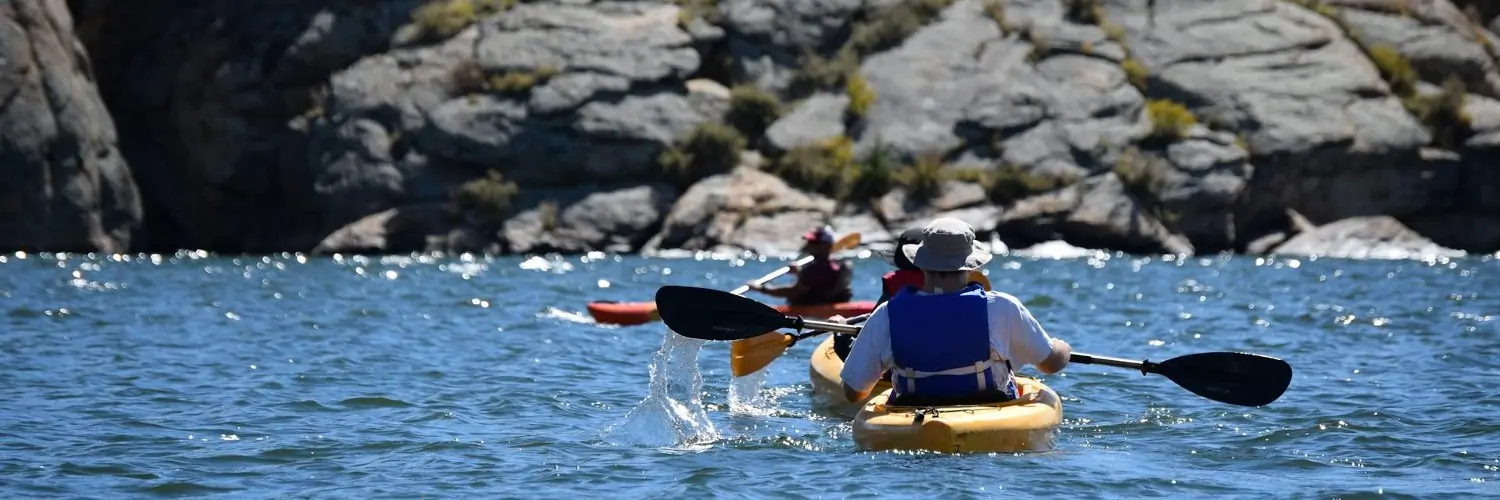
(906, 274)
(949, 342)
(822, 281)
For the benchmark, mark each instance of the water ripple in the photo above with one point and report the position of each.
(197, 375)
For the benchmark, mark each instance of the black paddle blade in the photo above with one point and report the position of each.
(708, 314)
(1229, 377)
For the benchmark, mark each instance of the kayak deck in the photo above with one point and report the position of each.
(1025, 424)
(828, 385)
(637, 313)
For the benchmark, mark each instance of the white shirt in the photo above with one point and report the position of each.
(1015, 335)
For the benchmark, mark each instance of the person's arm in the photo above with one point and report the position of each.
(791, 292)
(866, 361)
(1029, 342)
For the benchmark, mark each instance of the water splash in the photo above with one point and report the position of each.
(746, 397)
(672, 414)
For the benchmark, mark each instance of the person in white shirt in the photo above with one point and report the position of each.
(951, 342)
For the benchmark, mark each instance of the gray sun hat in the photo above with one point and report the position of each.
(947, 245)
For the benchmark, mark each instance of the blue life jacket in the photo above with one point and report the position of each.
(940, 345)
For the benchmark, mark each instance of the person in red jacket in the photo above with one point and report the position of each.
(825, 280)
(905, 274)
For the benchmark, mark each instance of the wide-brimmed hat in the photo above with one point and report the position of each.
(947, 245)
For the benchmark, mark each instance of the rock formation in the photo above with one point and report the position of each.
(65, 185)
(1182, 126)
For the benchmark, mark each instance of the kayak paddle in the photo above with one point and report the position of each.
(751, 355)
(1228, 377)
(755, 353)
(645, 312)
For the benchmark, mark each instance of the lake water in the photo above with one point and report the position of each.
(193, 375)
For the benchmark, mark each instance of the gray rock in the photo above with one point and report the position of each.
(872, 233)
(903, 213)
(66, 187)
(766, 39)
(1437, 38)
(403, 229)
(210, 98)
(617, 220)
(1484, 116)
(1107, 217)
(1197, 186)
(1265, 244)
(815, 119)
(1329, 139)
(1377, 237)
(603, 117)
(746, 209)
(1037, 219)
(960, 85)
(571, 90)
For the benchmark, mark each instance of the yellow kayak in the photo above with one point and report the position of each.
(1025, 424)
(827, 385)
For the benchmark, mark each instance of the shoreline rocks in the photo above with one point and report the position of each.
(342, 126)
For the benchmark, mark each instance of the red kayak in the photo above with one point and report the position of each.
(637, 313)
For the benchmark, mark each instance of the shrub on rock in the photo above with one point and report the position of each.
(819, 167)
(861, 96)
(1170, 121)
(712, 148)
(487, 198)
(752, 110)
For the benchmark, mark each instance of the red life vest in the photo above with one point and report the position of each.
(893, 281)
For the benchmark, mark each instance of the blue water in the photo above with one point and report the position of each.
(484, 378)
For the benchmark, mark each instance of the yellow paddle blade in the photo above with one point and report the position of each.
(751, 355)
(850, 240)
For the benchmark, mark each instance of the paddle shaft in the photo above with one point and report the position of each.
(845, 243)
(827, 326)
(1090, 359)
(776, 274)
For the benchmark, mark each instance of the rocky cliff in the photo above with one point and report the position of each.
(1187, 126)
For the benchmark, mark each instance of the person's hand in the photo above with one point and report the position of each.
(838, 318)
(751, 285)
(792, 268)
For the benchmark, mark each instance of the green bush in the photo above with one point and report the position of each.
(752, 110)
(861, 96)
(488, 198)
(441, 19)
(996, 11)
(1136, 73)
(1170, 121)
(820, 167)
(818, 72)
(1395, 68)
(1114, 32)
(468, 77)
(1008, 183)
(924, 179)
(1142, 174)
(872, 176)
(1443, 114)
(520, 82)
(712, 148)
